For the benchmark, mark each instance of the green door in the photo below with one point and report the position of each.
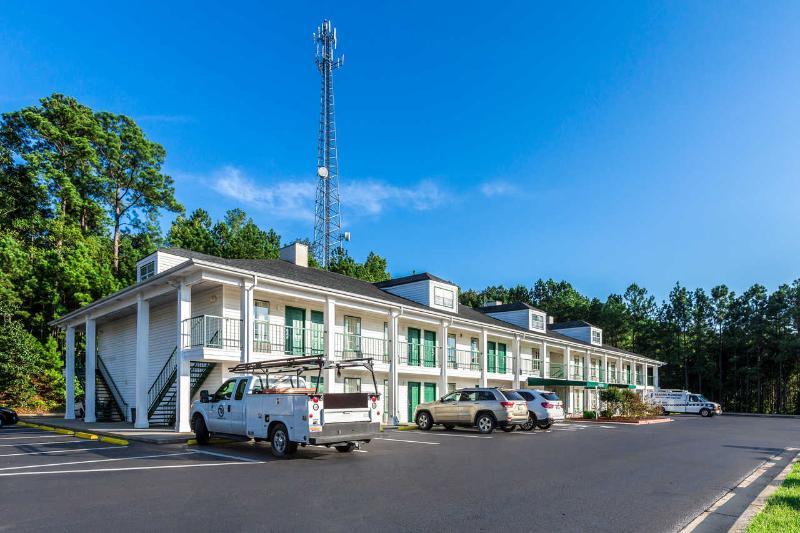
(413, 348)
(491, 356)
(317, 333)
(501, 357)
(413, 398)
(430, 392)
(293, 334)
(430, 348)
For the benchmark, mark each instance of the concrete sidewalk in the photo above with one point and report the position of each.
(123, 430)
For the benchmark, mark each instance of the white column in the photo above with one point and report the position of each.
(568, 399)
(329, 318)
(91, 362)
(142, 354)
(545, 357)
(184, 382)
(517, 361)
(394, 374)
(69, 374)
(484, 347)
(620, 371)
(655, 377)
(604, 377)
(587, 372)
(444, 351)
(246, 314)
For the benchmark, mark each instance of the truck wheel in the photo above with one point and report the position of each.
(346, 448)
(200, 430)
(485, 423)
(424, 421)
(530, 424)
(281, 445)
(664, 411)
(705, 412)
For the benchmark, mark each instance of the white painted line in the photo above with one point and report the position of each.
(361, 451)
(96, 461)
(36, 437)
(438, 434)
(73, 441)
(124, 469)
(62, 451)
(227, 456)
(402, 440)
(18, 432)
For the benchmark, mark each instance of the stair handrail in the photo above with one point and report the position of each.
(112, 386)
(162, 382)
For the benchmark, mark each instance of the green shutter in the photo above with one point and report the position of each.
(294, 337)
(413, 398)
(413, 346)
(501, 357)
(491, 356)
(430, 349)
(430, 392)
(317, 333)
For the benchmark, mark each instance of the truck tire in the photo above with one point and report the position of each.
(530, 424)
(281, 445)
(485, 423)
(200, 430)
(705, 412)
(664, 411)
(346, 448)
(424, 421)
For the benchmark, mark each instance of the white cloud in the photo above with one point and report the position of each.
(284, 199)
(498, 188)
(294, 199)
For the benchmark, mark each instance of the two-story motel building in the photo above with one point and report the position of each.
(191, 316)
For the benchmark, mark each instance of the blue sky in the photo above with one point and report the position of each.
(602, 143)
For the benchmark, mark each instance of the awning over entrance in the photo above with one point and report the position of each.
(557, 382)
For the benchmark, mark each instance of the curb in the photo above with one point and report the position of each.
(406, 428)
(757, 505)
(79, 434)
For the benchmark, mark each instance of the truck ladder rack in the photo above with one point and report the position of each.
(298, 365)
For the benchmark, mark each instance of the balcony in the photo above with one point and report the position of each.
(639, 379)
(576, 372)
(287, 340)
(556, 370)
(419, 355)
(463, 359)
(349, 346)
(596, 374)
(531, 367)
(209, 331)
(500, 364)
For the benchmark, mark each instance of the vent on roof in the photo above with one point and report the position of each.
(296, 253)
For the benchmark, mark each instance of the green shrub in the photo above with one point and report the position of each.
(589, 414)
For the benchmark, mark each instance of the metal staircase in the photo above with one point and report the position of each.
(162, 395)
(109, 405)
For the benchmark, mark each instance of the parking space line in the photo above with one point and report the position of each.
(403, 440)
(227, 456)
(36, 436)
(96, 461)
(73, 441)
(60, 451)
(125, 469)
(441, 434)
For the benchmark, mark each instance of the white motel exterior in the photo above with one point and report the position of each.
(191, 316)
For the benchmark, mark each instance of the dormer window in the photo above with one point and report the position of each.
(597, 337)
(443, 297)
(147, 270)
(537, 322)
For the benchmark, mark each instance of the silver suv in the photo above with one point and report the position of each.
(484, 408)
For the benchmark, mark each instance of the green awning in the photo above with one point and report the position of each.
(557, 382)
(622, 386)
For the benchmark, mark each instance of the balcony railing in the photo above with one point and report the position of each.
(531, 367)
(349, 346)
(639, 379)
(211, 332)
(577, 372)
(463, 359)
(596, 374)
(287, 340)
(419, 354)
(555, 370)
(500, 364)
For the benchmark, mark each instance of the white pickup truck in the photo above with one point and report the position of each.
(270, 401)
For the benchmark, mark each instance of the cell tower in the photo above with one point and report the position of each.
(328, 218)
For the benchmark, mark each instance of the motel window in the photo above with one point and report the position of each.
(596, 336)
(535, 352)
(261, 310)
(537, 321)
(318, 382)
(451, 387)
(352, 384)
(147, 270)
(443, 297)
(352, 334)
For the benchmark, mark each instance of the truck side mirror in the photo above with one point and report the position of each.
(203, 396)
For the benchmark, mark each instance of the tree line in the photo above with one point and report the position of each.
(82, 193)
(741, 350)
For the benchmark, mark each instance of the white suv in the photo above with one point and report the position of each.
(544, 408)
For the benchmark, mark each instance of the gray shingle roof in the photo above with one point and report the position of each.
(514, 306)
(571, 324)
(410, 279)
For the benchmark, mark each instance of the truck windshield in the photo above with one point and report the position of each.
(702, 398)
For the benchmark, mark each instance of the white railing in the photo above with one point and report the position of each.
(287, 340)
(531, 367)
(350, 346)
(211, 332)
(419, 354)
(463, 359)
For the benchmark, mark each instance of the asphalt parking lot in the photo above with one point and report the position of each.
(575, 477)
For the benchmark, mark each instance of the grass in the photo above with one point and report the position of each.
(782, 512)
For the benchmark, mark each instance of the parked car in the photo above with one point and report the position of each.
(8, 416)
(681, 401)
(544, 408)
(484, 408)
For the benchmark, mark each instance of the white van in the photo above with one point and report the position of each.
(681, 401)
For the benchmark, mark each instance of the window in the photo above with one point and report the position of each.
(513, 396)
(535, 352)
(240, 390)
(527, 395)
(261, 326)
(537, 321)
(318, 382)
(452, 397)
(261, 310)
(147, 270)
(352, 384)
(451, 387)
(352, 334)
(597, 337)
(225, 391)
(486, 396)
(550, 396)
(443, 297)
